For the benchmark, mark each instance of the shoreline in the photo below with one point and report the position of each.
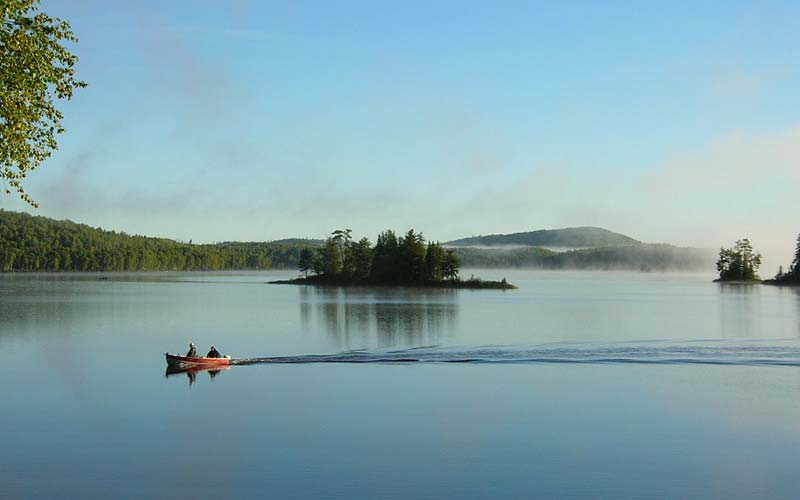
(771, 282)
(778, 283)
(473, 284)
(739, 282)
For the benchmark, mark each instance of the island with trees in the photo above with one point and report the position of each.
(792, 276)
(739, 264)
(405, 260)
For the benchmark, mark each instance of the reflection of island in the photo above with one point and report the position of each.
(740, 311)
(381, 317)
(191, 372)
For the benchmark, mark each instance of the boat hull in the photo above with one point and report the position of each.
(183, 361)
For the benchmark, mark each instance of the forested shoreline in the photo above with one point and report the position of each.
(790, 277)
(34, 244)
(39, 244)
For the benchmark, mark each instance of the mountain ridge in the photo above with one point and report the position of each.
(568, 237)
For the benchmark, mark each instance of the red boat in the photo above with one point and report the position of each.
(183, 361)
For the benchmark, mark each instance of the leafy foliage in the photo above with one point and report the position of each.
(35, 70)
(739, 262)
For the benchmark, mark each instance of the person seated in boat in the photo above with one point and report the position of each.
(213, 353)
(192, 351)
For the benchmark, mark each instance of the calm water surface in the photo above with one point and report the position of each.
(577, 385)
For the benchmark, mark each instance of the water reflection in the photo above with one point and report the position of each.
(380, 317)
(740, 310)
(791, 292)
(192, 372)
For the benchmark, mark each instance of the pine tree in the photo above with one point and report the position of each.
(306, 261)
(794, 271)
(739, 262)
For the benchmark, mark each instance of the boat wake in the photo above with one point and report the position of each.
(742, 353)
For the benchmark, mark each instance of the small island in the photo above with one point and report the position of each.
(739, 264)
(394, 261)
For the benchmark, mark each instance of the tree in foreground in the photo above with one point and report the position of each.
(739, 262)
(36, 69)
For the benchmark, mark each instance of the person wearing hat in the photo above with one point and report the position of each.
(192, 351)
(213, 353)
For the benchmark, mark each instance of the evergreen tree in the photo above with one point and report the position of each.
(434, 257)
(794, 270)
(361, 259)
(384, 258)
(739, 262)
(343, 239)
(450, 265)
(306, 261)
(411, 259)
(330, 260)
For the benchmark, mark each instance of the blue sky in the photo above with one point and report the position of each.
(260, 120)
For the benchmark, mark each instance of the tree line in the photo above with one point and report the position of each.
(406, 259)
(792, 276)
(31, 243)
(741, 263)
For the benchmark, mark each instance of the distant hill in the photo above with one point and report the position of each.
(299, 241)
(571, 237)
(33, 243)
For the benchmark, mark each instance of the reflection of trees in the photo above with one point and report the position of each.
(380, 316)
(741, 306)
(795, 292)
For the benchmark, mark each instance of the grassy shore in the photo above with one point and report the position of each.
(472, 283)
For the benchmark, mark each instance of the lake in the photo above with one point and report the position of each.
(585, 385)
